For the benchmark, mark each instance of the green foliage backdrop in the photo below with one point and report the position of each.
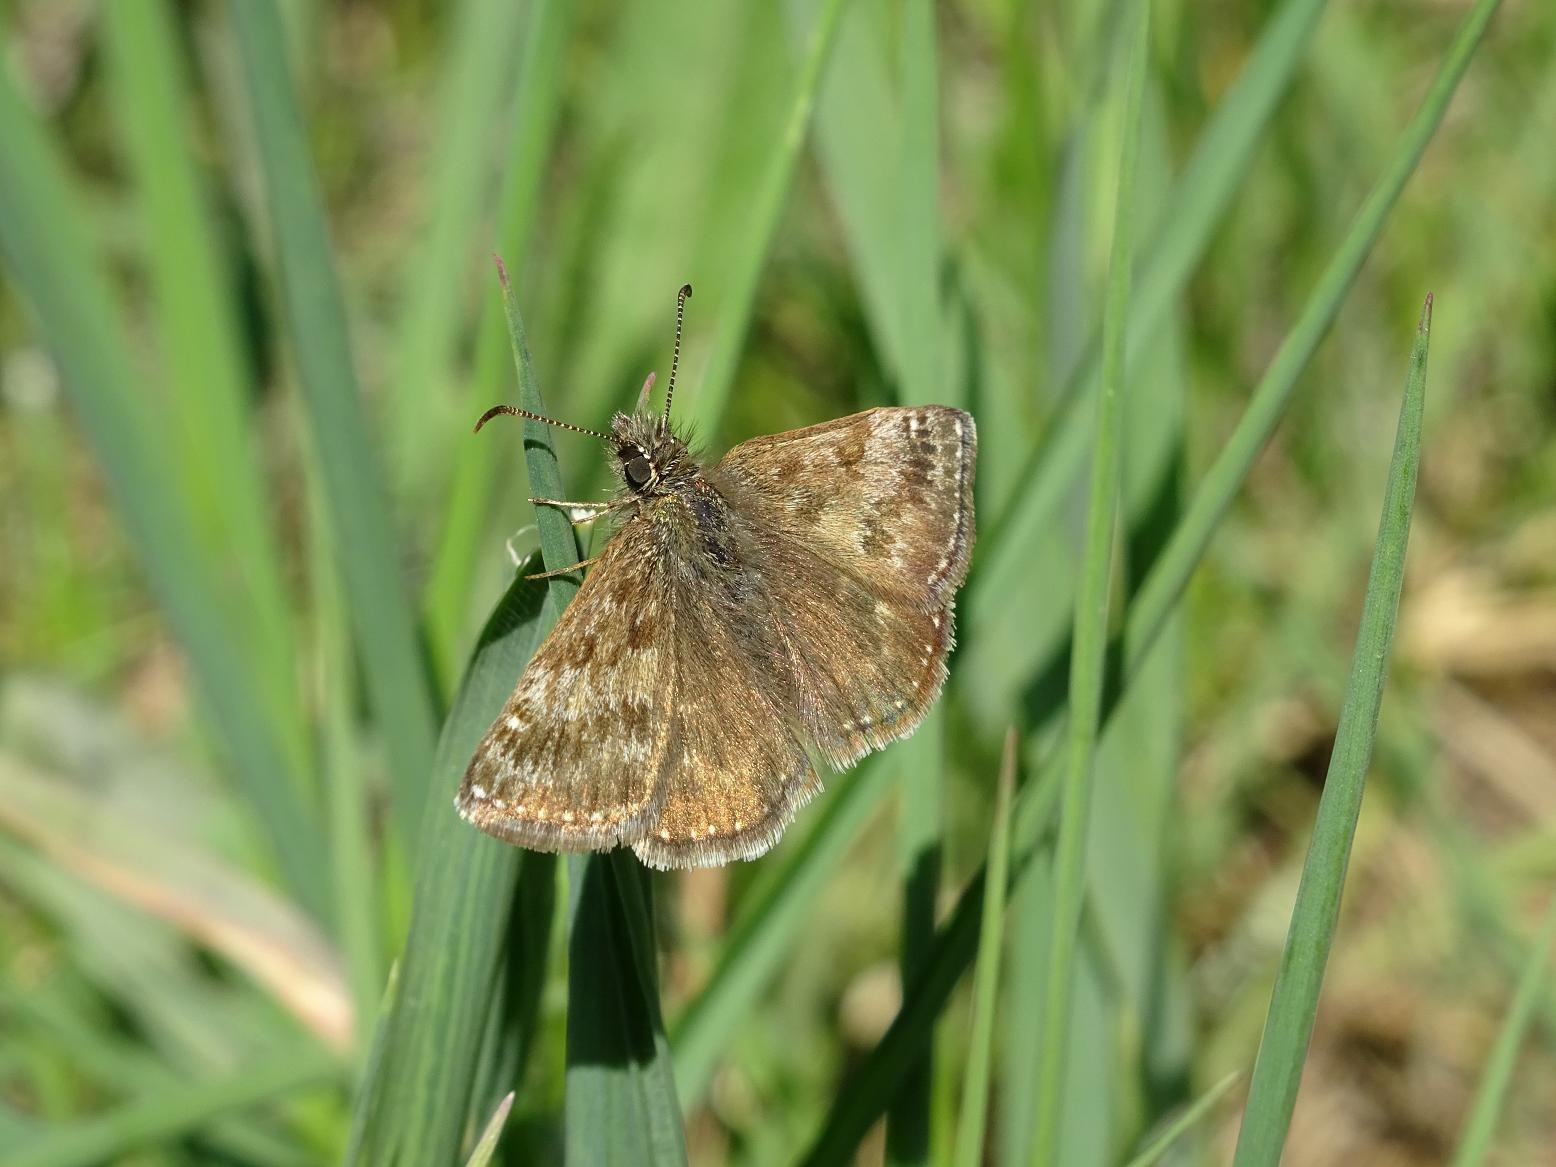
(1232, 835)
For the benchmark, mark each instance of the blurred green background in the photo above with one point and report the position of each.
(247, 543)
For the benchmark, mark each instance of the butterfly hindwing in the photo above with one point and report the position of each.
(735, 772)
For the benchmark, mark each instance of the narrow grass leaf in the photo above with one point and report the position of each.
(1189, 216)
(537, 102)
(476, 75)
(1277, 1071)
(394, 671)
(708, 397)
(991, 936)
(486, 1146)
(1153, 1151)
(1158, 595)
(1088, 656)
(356, 875)
(876, 1077)
(416, 1107)
(207, 428)
(44, 235)
(917, 293)
(1491, 1094)
(621, 1103)
(763, 935)
(172, 1112)
(860, 1102)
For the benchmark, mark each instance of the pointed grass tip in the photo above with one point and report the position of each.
(1426, 314)
(502, 270)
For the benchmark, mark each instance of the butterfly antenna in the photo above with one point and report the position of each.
(681, 297)
(515, 411)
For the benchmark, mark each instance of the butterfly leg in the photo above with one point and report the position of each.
(573, 506)
(564, 570)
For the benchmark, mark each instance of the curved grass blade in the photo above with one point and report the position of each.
(486, 1147)
(1088, 656)
(1189, 216)
(763, 936)
(394, 672)
(706, 400)
(44, 243)
(1491, 1094)
(483, 37)
(1157, 597)
(922, 759)
(1162, 1143)
(169, 1113)
(1277, 1071)
(537, 102)
(208, 427)
(621, 1104)
(991, 935)
(1220, 160)
(876, 1077)
(860, 1103)
(416, 1107)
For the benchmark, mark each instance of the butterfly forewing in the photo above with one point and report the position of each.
(885, 494)
(866, 527)
(573, 761)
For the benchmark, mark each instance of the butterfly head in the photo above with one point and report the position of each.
(650, 459)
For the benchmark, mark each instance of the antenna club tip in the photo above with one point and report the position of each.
(686, 292)
(487, 416)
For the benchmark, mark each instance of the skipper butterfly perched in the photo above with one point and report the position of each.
(795, 598)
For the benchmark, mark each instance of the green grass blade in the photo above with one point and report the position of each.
(1277, 1071)
(476, 75)
(860, 1103)
(44, 243)
(1088, 656)
(355, 871)
(416, 1108)
(991, 936)
(486, 1146)
(1159, 594)
(621, 1103)
(1184, 228)
(1491, 1094)
(763, 935)
(209, 427)
(921, 814)
(394, 671)
(169, 1113)
(706, 399)
(537, 101)
(1162, 1143)
(877, 1076)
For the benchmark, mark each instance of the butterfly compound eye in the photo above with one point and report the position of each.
(638, 470)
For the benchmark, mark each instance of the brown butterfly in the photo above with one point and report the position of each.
(795, 597)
